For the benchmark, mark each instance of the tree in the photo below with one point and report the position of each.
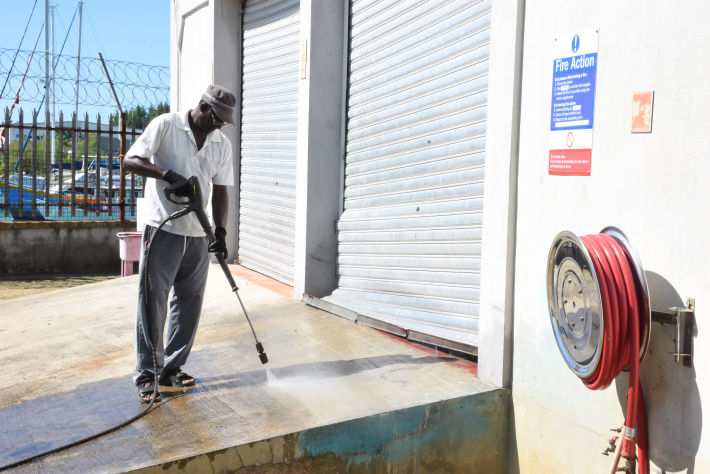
(141, 117)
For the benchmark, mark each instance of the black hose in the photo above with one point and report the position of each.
(155, 371)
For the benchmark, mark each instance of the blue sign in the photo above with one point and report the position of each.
(573, 87)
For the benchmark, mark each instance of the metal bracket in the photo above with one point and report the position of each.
(683, 320)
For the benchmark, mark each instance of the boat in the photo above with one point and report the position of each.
(98, 197)
(14, 187)
(84, 194)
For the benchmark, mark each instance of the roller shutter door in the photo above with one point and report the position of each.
(409, 239)
(267, 193)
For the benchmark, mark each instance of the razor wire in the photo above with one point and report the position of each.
(135, 83)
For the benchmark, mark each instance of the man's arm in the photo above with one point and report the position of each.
(220, 205)
(143, 167)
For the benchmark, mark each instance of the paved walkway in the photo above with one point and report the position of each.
(67, 359)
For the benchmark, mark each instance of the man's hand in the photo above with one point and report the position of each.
(178, 183)
(219, 246)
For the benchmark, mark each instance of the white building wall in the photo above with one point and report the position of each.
(195, 55)
(205, 48)
(498, 243)
(652, 186)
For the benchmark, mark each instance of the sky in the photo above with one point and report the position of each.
(121, 30)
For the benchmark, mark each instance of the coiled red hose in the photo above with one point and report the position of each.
(622, 337)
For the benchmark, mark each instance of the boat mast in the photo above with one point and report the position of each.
(78, 64)
(46, 48)
(53, 90)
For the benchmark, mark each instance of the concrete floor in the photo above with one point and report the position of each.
(68, 359)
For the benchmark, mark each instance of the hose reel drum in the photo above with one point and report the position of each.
(575, 301)
(600, 310)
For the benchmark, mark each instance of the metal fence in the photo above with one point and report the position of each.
(70, 171)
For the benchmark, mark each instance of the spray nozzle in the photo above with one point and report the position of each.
(262, 355)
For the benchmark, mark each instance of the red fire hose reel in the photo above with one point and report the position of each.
(600, 311)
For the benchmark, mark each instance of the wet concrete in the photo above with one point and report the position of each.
(343, 393)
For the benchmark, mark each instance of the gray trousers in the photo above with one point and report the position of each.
(180, 263)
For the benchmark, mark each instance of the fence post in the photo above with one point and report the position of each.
(98, 190)
(6, 155)
(85, 163)
(134, 201)
(73, 153)
(121, 156)
(34, 164)
(109, 160)
(48, 154)
(60, 166)
(21, 164)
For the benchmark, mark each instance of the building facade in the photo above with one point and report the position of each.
(397, 165)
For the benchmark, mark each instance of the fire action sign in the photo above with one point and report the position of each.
(574, 74)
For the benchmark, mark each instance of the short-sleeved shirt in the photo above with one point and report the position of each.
(169, 143)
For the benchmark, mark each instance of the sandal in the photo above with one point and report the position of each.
(176, 378)
(145, 391)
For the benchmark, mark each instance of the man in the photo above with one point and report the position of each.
(173, 147)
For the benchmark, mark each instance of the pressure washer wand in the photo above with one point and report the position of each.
(194, 204)
(259, 348)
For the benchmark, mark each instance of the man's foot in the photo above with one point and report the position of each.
(176, 378)
(146, 390)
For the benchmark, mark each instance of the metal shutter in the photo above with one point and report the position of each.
(409, 239)
(267, 196)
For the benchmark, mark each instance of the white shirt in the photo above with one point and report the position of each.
(169, 143)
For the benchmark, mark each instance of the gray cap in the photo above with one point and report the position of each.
(222, 102)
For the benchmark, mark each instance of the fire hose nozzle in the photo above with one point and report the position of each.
(628, 448)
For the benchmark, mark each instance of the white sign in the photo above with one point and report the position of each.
(574, 76)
